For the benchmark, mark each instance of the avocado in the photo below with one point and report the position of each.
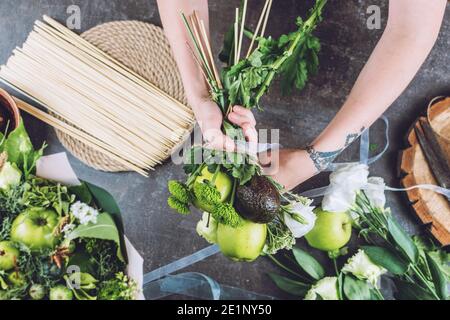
(258, 200)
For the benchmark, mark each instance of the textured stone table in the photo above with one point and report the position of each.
(160, 235)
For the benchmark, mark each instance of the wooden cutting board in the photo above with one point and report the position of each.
(431, 208)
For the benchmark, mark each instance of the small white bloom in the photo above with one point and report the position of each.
(68, 228)
(374, 190)
(205, 230)
(363, 268)
(84, 213)
(326, 288)
(304, 212)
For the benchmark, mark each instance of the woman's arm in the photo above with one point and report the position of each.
(207, 113)
(411, 31)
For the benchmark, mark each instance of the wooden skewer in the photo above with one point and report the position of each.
(236, 31)
(241, 34)
(102, 102)
(210, 56)
(258, 25)
(263, 30)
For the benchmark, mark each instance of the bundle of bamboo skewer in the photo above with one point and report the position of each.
(94, 98)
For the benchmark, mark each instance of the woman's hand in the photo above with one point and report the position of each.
(210, 122)
(289, 167)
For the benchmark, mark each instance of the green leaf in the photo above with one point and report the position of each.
(309, 264)
(355, 289)
(403, 240)
(293, 287)
(386, 259)
(410, 291)
(104, 229)
(439, 279)
(82, 192)
(18, 145)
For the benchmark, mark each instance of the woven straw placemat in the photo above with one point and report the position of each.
(144, 49)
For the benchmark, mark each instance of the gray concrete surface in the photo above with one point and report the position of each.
(162, 236)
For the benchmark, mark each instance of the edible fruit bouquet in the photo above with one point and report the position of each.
(246, 213)
(57, 242)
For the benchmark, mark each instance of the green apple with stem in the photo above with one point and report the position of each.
(35, 228)
(331, 231)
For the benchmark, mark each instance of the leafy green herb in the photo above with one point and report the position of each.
(119, 288)
(278, 237)
(102, 254)
(43, 193)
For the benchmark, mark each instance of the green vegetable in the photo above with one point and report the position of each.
(37, 292)
(61, 292)
(9, 175)
(45, 194)
(178, 206)
(119, 288)
(179, 191)
(206, 196)
(81, 284)
(225, 213)
(103, 258)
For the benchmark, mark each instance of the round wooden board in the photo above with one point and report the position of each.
(431, 208)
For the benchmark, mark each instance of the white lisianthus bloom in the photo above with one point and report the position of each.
(345, 182)
(374, 190)
(338, 199)
(351, 177)
(9, 175)
(326, 288)
(207, 230)
(363, 268)
(300, 218)
(84, 213)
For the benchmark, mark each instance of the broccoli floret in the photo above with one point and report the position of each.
(179, 191)
(206, 193)
(178, 206)
(226, 214)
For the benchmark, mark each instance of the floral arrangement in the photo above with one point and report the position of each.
(57, 242)
(418, 269)
(240, 203)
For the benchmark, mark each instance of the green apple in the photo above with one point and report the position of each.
(331, 231)
(243, 243)
(37, 291)
(61, 292)
(8, 255)
(34, 228)
(223, 183)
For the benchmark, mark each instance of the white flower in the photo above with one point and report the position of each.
(9, 175)
(84, 213)
(338, 199)
(326, 288)
(205, 230)
(374, 190)
(351, 177)
(345, 182)
(300, 219)
(363, 268)
(67, 229)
